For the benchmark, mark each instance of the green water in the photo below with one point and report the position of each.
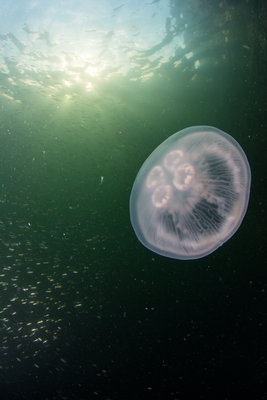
(85, 310)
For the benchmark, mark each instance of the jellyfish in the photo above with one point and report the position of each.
(191, 194)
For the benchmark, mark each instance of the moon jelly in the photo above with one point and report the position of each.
(191, 194)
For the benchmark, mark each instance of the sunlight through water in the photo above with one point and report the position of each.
(52, 46)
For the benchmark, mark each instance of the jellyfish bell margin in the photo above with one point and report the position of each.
(191, 194)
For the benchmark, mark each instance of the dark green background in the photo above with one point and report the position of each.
(86, 312)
